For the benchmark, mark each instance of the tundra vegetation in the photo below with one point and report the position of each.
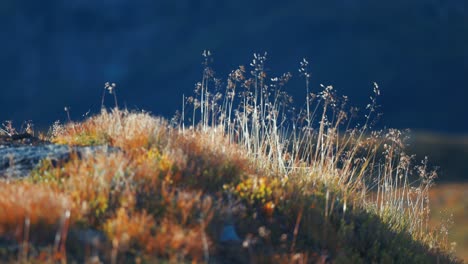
(238, 175)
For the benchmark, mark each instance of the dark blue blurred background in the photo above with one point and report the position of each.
(60, 53)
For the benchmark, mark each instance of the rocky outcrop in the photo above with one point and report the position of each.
(21, 155)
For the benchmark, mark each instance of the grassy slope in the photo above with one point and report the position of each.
(170, 192)
(294, 188)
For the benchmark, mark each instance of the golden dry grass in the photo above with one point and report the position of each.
(35, 204)
(163, 196)
(294, 192)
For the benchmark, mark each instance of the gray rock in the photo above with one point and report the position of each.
(18, 161)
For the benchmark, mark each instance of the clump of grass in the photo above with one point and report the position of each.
(118, 128)
(32, 203)
(364, 169)
(290, 187)
(30, 215)
(128, 231)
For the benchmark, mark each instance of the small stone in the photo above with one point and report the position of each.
(19, 161)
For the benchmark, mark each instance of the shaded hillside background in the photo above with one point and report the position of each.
(60, 53)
